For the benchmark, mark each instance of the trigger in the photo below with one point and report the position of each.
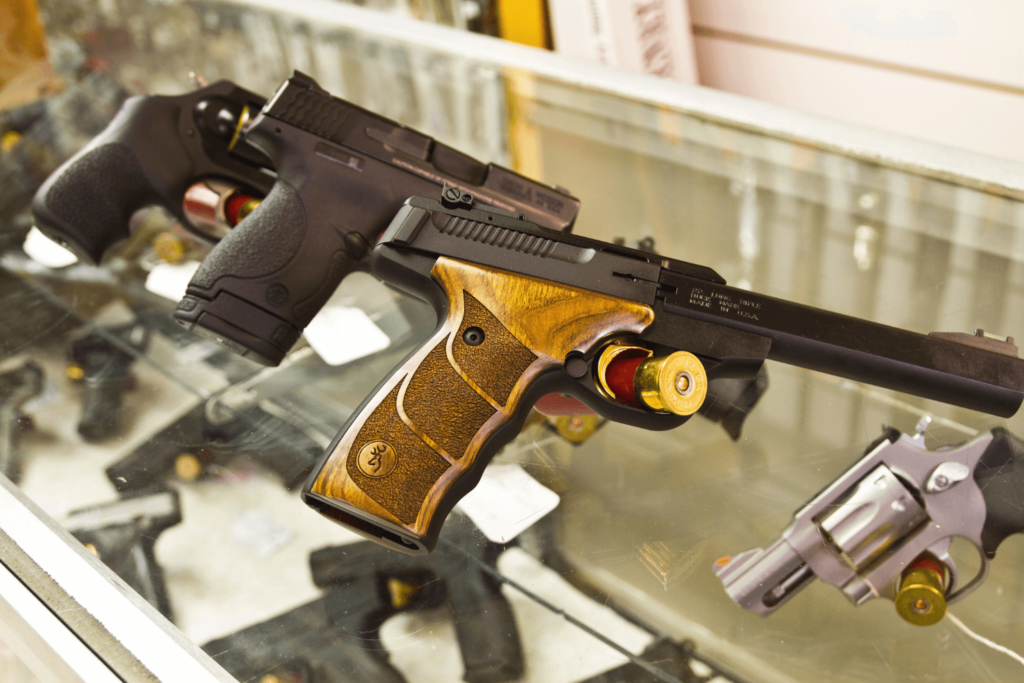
(940, 551)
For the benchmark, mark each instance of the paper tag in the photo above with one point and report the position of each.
(42, 249)
(340, 334)
(170, 280)
(258, 530)
(195, 352)
(507, 502)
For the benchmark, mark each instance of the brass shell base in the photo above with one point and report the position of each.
(921, 600)
(673, 384)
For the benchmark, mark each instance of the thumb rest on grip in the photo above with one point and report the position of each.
(423, 440)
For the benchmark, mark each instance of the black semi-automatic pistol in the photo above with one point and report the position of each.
(332, 174)
(302, 642)
(102, 359)
(367, 584)
(187, 449)
(525, 311)
(123, 535)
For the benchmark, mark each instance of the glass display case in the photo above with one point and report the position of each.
(177, 462)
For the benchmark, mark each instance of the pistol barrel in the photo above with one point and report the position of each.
(928, 366)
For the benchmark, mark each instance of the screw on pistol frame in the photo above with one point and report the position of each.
(473, 336)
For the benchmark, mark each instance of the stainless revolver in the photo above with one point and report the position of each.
(884, 527)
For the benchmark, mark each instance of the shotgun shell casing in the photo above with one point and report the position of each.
(245, 208)
(921, 599)
(672, 384)
(615, 375)
(213, 207)
(576, 428)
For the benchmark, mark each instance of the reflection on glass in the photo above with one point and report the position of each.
(628, 552)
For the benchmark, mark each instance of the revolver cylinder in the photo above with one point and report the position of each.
(876, 513)
(858, 527)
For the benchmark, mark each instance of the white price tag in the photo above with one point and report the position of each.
(196, 352)
(260, 532)
(507, 502)
(170, 280)
(42, 249)
(340, 334)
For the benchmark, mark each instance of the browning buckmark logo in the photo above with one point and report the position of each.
(377, 459)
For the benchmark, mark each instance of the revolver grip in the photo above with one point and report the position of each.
(422, 440)
(150, 153)
(1000, 476)
(85, 204)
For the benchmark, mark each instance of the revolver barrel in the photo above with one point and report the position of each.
(762, 580)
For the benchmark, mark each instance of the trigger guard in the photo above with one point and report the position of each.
(955, 596)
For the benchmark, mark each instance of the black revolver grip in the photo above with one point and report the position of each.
(1000, 475)
(264, 282)
(138, 160)
(86, 204)
(153, 150)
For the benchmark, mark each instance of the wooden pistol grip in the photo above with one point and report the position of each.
(395, 466)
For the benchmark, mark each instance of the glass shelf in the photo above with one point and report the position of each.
(626, 558)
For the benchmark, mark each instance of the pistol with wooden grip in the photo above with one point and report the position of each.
(884, 527)
(331, 176)
(526, 311)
